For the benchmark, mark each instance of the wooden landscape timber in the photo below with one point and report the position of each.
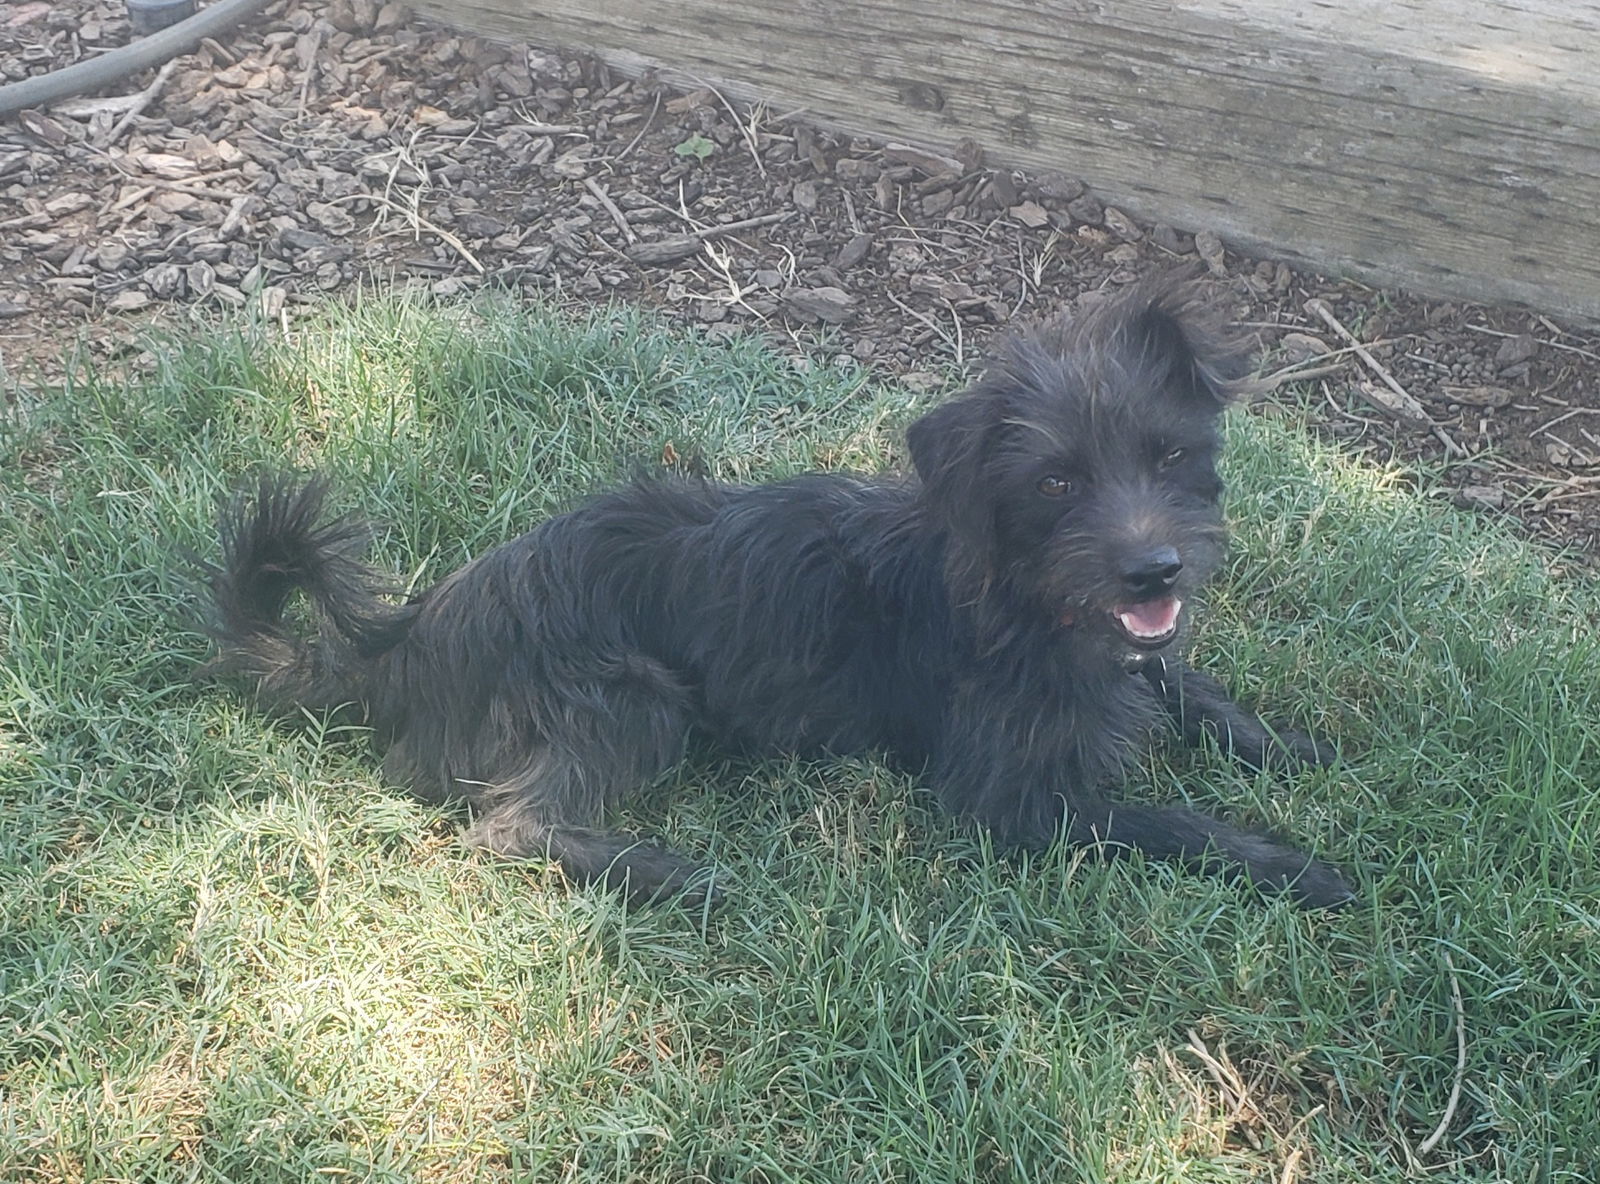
(1447, 146)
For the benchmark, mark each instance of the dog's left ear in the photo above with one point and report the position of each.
(948, 446)
(1180, 334)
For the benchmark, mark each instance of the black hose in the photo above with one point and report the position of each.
(143, 54)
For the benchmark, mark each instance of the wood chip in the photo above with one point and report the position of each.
(1515, 350)
(130, 301)
(930, 164)
(660, 251)
(853, 252)
(834, 306)
(1122, 226)
(164, 165)
(1302, 347)
(42, 126)
(1481, 497)
(1396, 403)
(1031, 214)
(1478, 396)
(1209, 247)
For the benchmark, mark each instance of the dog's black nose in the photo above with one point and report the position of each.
(1154, 572)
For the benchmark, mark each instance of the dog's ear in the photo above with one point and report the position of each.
(948, 447)
(1175, 330)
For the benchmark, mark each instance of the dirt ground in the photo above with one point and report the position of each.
(327, 146)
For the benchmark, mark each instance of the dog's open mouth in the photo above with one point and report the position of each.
(1150, 623)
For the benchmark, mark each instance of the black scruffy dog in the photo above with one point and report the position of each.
(1000, 619)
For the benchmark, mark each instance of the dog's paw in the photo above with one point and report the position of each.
(698, 887)
(1308, 882)
(1280, 750)
(649, 874)
(1318, 886)
(1297, 749)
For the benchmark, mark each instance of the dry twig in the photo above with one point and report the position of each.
(141, 101)
(311, 68)
(715, 230)
(203, 191)
(1432, 1140)
(1234, 1092)
(1296, 373)
(1398, 401)
(1289, 1164)
(1561, 345)
(650, 119)
(604, 198)
(418, 224)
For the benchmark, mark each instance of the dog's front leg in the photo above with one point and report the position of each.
(1200, 706)
(1174, 832)
(1030, 807)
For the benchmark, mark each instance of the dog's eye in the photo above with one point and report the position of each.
(1173, 457)
(1053, 486)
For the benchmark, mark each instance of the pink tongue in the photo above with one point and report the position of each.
(1153, 618)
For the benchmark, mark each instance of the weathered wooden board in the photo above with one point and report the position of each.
(1448, 146)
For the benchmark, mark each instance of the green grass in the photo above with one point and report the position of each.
(228, 952)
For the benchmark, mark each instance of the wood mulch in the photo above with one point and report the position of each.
(332, 145)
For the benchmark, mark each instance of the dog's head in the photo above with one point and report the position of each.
(1077, 478)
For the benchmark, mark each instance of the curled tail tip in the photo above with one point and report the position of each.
(279, 523)
(275, 508)
(276, 540)
(279, 538)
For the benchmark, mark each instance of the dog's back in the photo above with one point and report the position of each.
(807, 615)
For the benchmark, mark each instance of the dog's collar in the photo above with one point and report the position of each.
(1152, 665)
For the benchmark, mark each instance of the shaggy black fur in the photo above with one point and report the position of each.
(998, 620)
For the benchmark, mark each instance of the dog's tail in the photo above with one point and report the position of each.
(275, 543)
